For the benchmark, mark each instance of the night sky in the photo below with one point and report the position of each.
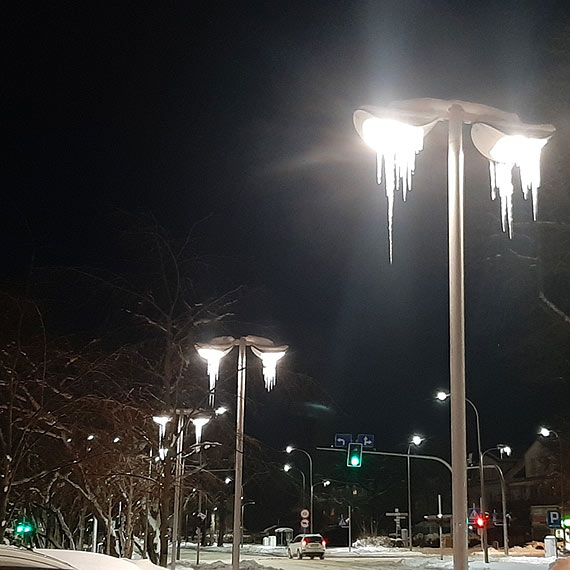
(235, 118)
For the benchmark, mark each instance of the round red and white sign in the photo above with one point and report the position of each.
(305, 514)
(304, 523)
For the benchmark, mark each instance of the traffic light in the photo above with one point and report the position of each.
(354, 456)
(565, 523)
(24, 528)
(482, 520)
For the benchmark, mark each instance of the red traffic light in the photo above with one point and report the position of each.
(482, 520)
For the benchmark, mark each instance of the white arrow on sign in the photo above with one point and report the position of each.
(304, 523)
(367, 441)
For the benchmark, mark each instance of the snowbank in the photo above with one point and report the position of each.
(88, 560)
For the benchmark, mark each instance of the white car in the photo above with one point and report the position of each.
(307, 545)
(12, 557)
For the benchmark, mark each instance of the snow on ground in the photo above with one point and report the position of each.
(88, 560)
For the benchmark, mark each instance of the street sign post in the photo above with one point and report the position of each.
(305, 518)
(398, 516)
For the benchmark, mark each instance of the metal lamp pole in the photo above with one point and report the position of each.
(288, 468)
(545, 432)
(396, 151)
(213, 351)
(289, 449)
(416, 440)
(502, 449)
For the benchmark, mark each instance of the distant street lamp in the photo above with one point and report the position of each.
(161, 421)
(442, 396)
(503, 450)
(546, 432)
(213, 351)
(396, 133)
(288, 467)
(290, 449)
(243, 506)
(415, 440)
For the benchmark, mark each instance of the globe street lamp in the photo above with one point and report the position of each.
(415, 440)
(213, 351)
(290, 449)
(546, 432)
(288, 467)
(396, 133)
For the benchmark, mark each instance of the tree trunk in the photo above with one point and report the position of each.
(128, 551)
(81, 539)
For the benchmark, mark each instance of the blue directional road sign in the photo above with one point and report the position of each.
(342, 439)
(553, 519)
(366, 439)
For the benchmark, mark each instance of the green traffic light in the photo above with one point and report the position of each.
(354, 457)
(23, 528)
(566, 523)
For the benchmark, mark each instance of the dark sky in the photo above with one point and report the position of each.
(237, 116)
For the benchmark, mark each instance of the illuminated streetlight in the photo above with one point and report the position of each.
(545, 432)
(288, 467)
(415, 440)
(442, 396)
(213, 351)
(396, 146)
(290, 449)
(503, 450)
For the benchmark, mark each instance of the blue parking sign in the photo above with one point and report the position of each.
(553, 519)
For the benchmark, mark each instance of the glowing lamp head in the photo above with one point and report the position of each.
(544, 432)
(199, 423)
(517, 149)
(269, 355)
(416, 440)
(212, 355)
(389, 135)
(287, 467)
(442, 396)
(220, 411)
(505, 450)
(161, 420)
(289, 449)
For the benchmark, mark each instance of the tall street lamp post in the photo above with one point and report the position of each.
(545, 432)
(415, 440)
(213, 351)
(290, 449)
(396, 134)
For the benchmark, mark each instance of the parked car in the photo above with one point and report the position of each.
(307, 545)
(12, 557)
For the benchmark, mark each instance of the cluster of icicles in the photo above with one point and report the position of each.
(396, 158)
